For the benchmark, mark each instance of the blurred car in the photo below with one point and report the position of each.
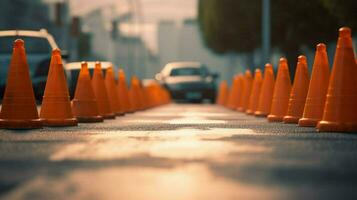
(73, 69)
(188, 81)
(38, 45)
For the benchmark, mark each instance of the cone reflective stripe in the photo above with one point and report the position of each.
(298, 92)
(254, 96)
(112, 92)
(266, 93)
(84, 103)
(56, 107)
(281, 94)
(123, 92)
(315, 100)
(100, 93)
(18, 109)
(247, 88)
(340, 112)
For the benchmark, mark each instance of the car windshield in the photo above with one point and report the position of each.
(188, 71)
(33, 45)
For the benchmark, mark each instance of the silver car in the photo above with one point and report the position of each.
(38, 45)
(188, 81)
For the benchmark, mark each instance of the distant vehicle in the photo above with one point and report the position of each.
(188, 81)
(73, 69)
(39, 45)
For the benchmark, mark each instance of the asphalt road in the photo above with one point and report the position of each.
(178, 152)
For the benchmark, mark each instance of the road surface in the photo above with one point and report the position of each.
(178, 152)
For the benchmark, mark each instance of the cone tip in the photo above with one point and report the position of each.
(321, 47)
(345, 32)
(97, 65)
(302, 59)
(268, 65)
(19, 43)
(56, 51)
(283, 60)
(84, 64)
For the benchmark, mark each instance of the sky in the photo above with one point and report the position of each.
(152, 11)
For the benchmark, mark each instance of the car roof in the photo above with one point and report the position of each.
(174, 65)
(91, 64)
(42, 33)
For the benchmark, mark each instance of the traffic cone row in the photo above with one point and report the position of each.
(327, 102)
(95, 98)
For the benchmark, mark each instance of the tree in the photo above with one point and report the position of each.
(220, 22)
(234, 25)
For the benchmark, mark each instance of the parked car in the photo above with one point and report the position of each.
(38, 45)
(73, 69)
(188, 81)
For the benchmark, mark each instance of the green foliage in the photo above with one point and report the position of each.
(230, 25)
(235, 25)
(345, 11)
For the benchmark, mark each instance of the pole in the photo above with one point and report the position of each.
(265, 32)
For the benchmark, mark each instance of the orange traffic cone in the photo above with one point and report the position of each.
(18, 109)
(56, 107)
(84, 103)
(112, 92)
(240, 89)
(266, 93)
(254, 96)
(123, 92)
(244, 99)
(222, 93)
(340, 113)
(316, 95)
(231, 101)
(134, 94)
(100, 93)
(298, 92)
(281, 94)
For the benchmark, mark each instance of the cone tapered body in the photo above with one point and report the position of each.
(247, 88)
(340, 112)
(266, 93)
(100, 93)
(233, 93)
(315, 100)
(84, 103)
(112, 92)
(281, 94)
(241, 86)
(222, 93)
(298, 92)
(254, 96)
(143, 97)
(123, 92)
(134, 94)
(18, 109)
(56, 107)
